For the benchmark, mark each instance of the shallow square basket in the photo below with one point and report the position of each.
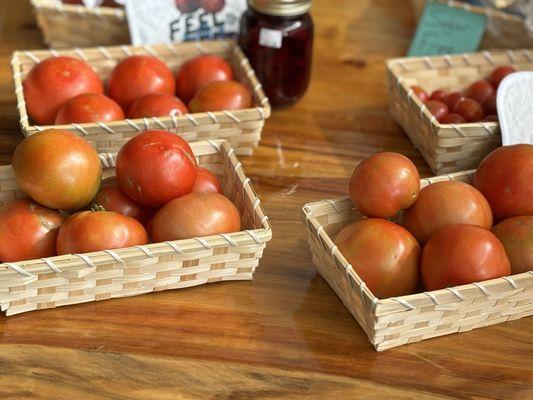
(72, 279)
(241, 128)
(67, 25)
(447, 148)
(397, 321)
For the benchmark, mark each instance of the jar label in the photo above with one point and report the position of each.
(270, 38)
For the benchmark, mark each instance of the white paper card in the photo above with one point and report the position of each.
(270, 38)
(514, 102)
(166, 21)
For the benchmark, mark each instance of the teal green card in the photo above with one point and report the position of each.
(447, 30)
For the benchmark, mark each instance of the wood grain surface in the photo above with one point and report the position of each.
(286, 334)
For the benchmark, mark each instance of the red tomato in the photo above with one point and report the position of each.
(491, 118)
(137, 76)
(89, 231)
(27, 230)
(206, 182)
(505, 177)
(197, 72)
(480, 91)
(437, 108)
(469, 109)
(111, 198)
(212, 6)
(489, 105)
(57, 169)
(155, 167)
(55, 80)
(438, 95)
(157, 105)
(453, 119)
(445, 203)
(452, 99)
(498, 74)
(384, 184)
(460, 254)
(88, 107)
(195, 215)
(187, 6)
(383, 254)
(516, 235)
(221, 95)
(420, 93)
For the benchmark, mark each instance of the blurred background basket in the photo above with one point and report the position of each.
(447, 148)
(401, 320)
(503, 30)
(241, 128)
(67, 25)
(72, 279)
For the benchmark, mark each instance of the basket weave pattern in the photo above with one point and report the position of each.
(397, 321)
(241, 128)
(447, 148)
(71, 279)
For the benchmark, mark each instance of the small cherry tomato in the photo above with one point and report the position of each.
(498, 74)
(489, 105)
(469, 109)
(89, 107)
(480, 91)
(452, 99)
(157, 105)
(437, 108)
(206, 181)
(453, 119)
(187, 6)
(438, 95)
(516, 235)
(420, 93)
(221, 95)
(212, 6)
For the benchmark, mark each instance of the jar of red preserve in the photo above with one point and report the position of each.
(277, 38)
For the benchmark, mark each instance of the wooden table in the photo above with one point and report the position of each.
(286, 334)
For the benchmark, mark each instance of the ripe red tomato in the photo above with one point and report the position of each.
(206, 182)
(460, 254)
(57, 169)
(420, 93)
(480, 91)
(453, 119)
(489, 105)
(137, 76)
(383, 254)
(195, 215)
(384, 184)
(437, 108)
(438, 95)
(197, 72)
(445, 203)
(516, 235)
(452, 99)
(469, 109)
(187, 6)
(55, 80)
(111, 198)
(88, 107)
(89, 231)
(157, 105)
(212, 6)
(505, 178)
(221, 95)
(155, 167)
(27, 230)
(498, 74)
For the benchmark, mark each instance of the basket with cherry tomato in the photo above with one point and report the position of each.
(414, 259)
(447, 104)
(204, 90)
(161, 214)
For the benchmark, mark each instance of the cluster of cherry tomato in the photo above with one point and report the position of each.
(65, 90)
(477, 104)
(159, 192)
(445, 231)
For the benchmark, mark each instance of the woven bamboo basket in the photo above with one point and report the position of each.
(401, 320)
(79, 278)
(241, 128)
(67, 25)
(503, 30)
(447, 147)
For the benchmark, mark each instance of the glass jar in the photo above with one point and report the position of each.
(277, 38)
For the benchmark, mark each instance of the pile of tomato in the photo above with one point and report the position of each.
(478, 103)
(159, 194)
(65, 90)
(445, 235)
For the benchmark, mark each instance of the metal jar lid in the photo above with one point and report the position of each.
(282, 8)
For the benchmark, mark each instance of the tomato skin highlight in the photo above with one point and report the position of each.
(157, 105)
(27, 230)
(438, 109)
(206, 182)
(383, 254)
(452, 99)
(460, 254)
(221, 95)
(516, 235)
(55, 80)
(88, 107)
(420, 93)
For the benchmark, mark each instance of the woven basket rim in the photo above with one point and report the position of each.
(79, 9)
(412, 301)
(490, 13)
(72, 262)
